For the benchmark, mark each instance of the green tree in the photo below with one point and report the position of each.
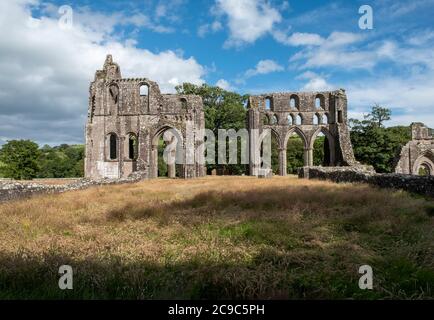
(62, 161)
(20, 159)
(375, 144)
(379, 115)
(223, 110)
(294, 154)
(318, 151)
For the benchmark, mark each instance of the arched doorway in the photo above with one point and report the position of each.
(322, 146)
(424, 165)
(271, 161)
(167, 153)
(296, 151)
(424, 170)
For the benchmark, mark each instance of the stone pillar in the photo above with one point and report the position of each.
(154, 162)
(282, 162)
(171, 166)
(310, 153)
(307, 156)
(171, 171)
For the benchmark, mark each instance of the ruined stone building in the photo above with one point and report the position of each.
(306, 115)
(127, 118)
(417, 156)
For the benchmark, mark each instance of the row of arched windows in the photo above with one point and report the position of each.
(294, 102)
(133, 146)
(296, 119)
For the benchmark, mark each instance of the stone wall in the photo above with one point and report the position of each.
(414, 184)
(417, 153)
(14, 190)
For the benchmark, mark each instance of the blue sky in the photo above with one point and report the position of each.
(249, 46)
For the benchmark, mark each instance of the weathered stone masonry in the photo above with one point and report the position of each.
(418, 153)
(411, 183)
(126, 119)
(306, 114)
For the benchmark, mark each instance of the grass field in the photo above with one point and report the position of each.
(219, 237)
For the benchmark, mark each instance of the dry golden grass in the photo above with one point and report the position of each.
(219, 237)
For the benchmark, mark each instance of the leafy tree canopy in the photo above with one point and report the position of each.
(20, 159)
(223, 110)
(376, 145)
(24, 160)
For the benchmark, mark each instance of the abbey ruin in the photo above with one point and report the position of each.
(306, 115)
(127, 118)
(417, 156)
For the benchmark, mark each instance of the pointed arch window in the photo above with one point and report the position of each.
(319, 101)
(268, 103)
(144, 90)
(113, 146)
(294, 102)
(289, 119)
(298, 120)
(132, 146)
(184, 104)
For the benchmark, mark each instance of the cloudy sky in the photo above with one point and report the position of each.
(250, 46)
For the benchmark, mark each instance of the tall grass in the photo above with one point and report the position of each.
(219, 237)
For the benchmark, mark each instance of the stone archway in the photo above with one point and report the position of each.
(425, 170)
(424, 162)
(331, 119)
(174, 156)
(331, 146)
(284, 151)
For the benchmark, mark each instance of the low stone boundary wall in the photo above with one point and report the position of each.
(12, 189)
(414, 184)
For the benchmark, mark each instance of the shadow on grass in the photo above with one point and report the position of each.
(264, 277)
(360, 203)
(283, 265)
(270, 275)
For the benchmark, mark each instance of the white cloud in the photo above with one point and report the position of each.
(337, 51)
(407, 92)
(206, 28)
(161, 10)
(285, 6)
(421, 38)
(168, 10)
(224, 84)
(248, 20)
(315, 82)
(397, 9)
(216, 26)
(45, 73)
(299, 39)
(264, 67)
(104, 23)
(410, 98)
